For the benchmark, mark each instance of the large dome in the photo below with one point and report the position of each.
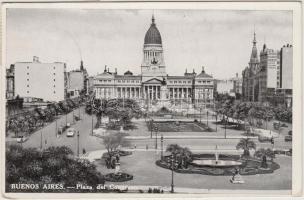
(153, 36)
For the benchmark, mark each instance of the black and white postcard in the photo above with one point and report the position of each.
(151, 99)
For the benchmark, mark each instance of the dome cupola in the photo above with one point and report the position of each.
(153, 35)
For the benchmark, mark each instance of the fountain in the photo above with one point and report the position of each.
(217, 162)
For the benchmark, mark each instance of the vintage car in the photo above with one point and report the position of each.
(70, 132)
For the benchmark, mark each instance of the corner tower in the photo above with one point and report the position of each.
(153, 64)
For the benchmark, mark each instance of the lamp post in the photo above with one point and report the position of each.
(207, 119)
(156, 131)
(162, 146)
(73, 117)
(173, 165)
(151, 126)
(41, 140)
(92, 123)
(66, 119)
(200, 115)
(225, 128)
(56, 129)
(216, 122)
(78, 143)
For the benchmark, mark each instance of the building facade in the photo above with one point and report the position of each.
(77, 82)
(154, 84)
(46, 81)
(10, 82)
(264, 78)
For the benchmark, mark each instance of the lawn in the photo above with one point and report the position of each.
(178, 126)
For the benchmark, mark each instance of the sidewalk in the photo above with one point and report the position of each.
(189, 137)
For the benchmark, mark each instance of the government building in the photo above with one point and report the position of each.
(154, 85)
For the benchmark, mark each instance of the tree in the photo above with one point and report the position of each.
(52, 165)
(111, 143)
(264, 154)
(246, 144)
(182, 155)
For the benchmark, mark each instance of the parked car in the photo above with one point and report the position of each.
(68, 125)
(70, 132)
(288, 138)
(22, 139)
(289, 132)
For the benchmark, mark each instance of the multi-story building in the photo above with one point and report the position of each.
(77, 82)
(270, 78)
(154, 84)
(237, 84)
(10, 82)
(40, 80)
(286, 67)
(268, 73)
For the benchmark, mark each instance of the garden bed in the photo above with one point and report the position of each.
(180, 126)
(250, 166)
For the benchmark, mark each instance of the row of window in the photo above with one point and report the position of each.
(179, 81)
(121, 81)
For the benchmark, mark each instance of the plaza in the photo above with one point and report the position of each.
(141, 163)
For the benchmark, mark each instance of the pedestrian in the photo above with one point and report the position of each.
(83, 151)
(147, 147)
(134, 146)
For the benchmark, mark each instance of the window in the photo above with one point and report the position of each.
(132, 81)
(54, 92)
(199, 81)
(175, 81)
(28, 86)
(54, 79)
(119, 81)
(54, 85)
(170, 81)
(28, 73)
(109, 81)
(27, 79)
(27, 67)
(179, 82)
(184, 81)
(54, 74)
(189, 81)
(123, 81)
(27, 91)
(54, 67)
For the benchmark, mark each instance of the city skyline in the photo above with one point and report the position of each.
(115, 38)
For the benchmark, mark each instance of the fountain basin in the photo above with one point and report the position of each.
(217, 163)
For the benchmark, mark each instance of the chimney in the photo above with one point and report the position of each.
(115, 70)
(105, 69)
(108, 69)
(237, 74)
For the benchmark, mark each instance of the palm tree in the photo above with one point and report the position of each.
(264, 154)
(246, 144)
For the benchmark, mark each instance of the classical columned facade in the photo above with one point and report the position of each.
(154, 85)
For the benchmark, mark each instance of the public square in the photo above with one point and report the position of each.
(141, 163)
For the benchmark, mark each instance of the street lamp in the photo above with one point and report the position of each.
(41, 140)
(173, 166)
(92, 123)
(73, 117)
(162, 146)
(78, 143)
(151, 126)
(225, 128)
(207, 119)
(200, 115)
(156, 131)
(216, 122)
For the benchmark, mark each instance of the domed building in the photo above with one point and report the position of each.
(154, 85)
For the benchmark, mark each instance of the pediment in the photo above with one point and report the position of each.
(153, 81)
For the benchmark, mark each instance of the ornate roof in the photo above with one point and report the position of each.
(254, 53)
(153, 35)
(203, 74)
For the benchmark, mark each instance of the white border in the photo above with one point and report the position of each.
(297, 162)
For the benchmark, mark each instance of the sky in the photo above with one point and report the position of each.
(219, 40)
